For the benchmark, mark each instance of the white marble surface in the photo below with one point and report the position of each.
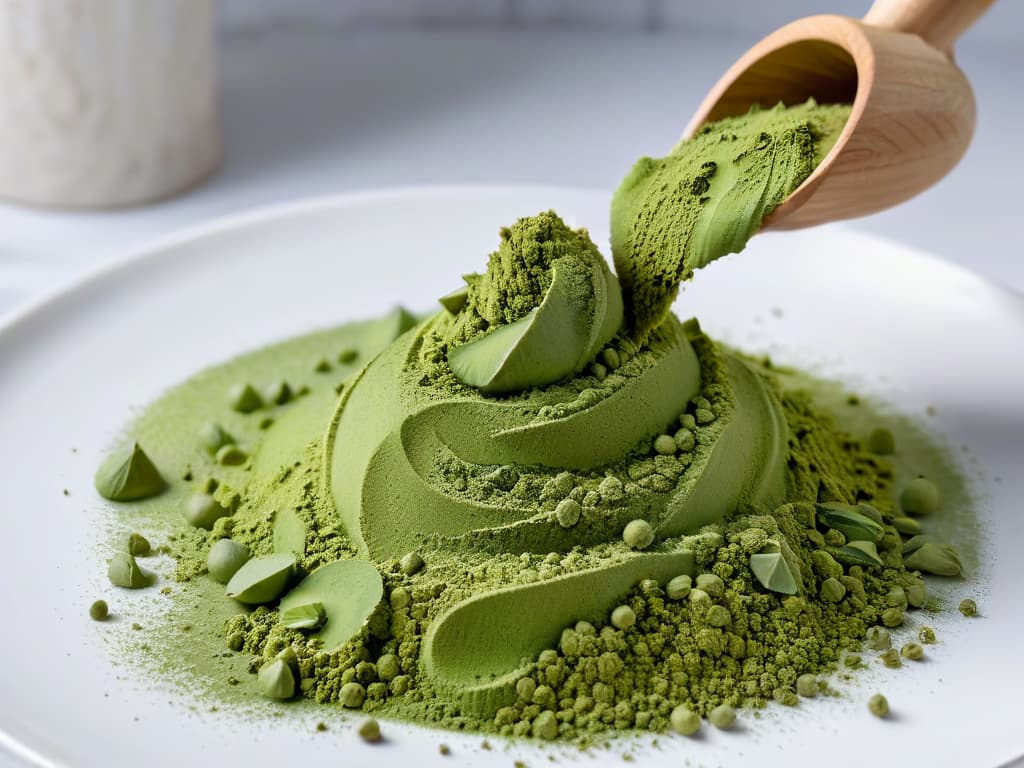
(313, 111)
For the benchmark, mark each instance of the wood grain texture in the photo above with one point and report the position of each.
(912, 117)
(106, 103)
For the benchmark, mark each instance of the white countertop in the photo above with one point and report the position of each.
(317, 111)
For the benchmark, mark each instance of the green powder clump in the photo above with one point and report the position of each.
(708, 197)
(519, 274)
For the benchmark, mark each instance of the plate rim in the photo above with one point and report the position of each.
(158, 247)
(152, 247)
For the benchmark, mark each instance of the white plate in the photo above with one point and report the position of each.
(74, 367)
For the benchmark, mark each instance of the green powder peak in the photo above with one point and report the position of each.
(518, 274)
(543, 309)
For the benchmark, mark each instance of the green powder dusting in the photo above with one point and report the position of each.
(708, 197)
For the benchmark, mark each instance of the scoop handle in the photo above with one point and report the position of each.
(939, 22)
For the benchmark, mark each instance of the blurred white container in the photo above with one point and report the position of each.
(106, 103)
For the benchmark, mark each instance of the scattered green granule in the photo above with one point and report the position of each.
(684, 721)
(919, 497)
(878, 705)
(708, 197)
(99, 611)
(968, 607)
(244, 398)
(881, 441)
(369, 731)
(128, 474)
(912, 651)
(138, 545)
(124, 571)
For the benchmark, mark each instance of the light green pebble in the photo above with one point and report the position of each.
(908, 526)
(896, 598)
(912, 651)
(678, 587)
(773, 573)
(882, 442)
(686, 421)
(685, 440)
(388, 667)
(723, 716)
(278, 393)
(128, 474)
(213, 437)
(919, 497)
(623, 617)
(352, 695)
(891, 658)
(935, 558)
(369, 731)
(610, 358)
(665, 445)
(892, 617)
(638, 534)
(138, 545)
(231, 456)
(568, 512)
(916, 595)
(718, 616)
(878, 705)
(99, 611)
(224, 559)
(411, 564)
(807, 686)
(525, 688)
(202, 510)
(699, 599)
(244, 398)
(123, 571)
(878, 638)
(545, 726)
(261, 579)
(704, 416)
(832, 590)
(684, 721)
(276, 680)
(712, 584)
(968, 607)
(599, 371)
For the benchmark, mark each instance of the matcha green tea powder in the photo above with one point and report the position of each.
(550, 510)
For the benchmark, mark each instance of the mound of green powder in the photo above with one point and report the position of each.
(667, 524)
(706, 198)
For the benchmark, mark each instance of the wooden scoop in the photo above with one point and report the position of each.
(913, 109)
